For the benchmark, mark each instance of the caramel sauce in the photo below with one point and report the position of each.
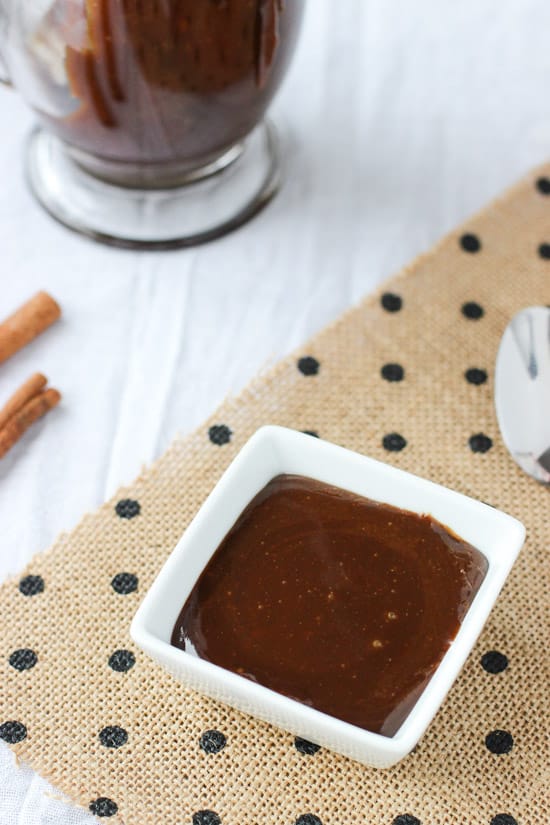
(337, 601)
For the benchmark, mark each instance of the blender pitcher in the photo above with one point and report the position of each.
(151, 129)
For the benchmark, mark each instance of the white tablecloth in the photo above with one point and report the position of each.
(400, 119)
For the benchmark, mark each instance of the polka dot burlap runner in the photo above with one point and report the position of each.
(406, 377)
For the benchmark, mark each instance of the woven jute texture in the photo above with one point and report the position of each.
(485, 754)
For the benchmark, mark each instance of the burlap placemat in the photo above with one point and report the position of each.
(406, 377)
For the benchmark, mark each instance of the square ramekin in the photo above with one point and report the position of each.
(275, 450)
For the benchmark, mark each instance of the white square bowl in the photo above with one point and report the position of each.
(270, 452)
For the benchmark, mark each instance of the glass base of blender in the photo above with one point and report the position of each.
(202, 205)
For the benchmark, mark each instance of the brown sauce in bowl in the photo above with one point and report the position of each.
(342, 603)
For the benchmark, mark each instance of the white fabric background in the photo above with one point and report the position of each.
(400, 118)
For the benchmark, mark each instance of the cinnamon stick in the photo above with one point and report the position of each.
(26, 323)
(28, 390)
(25, 418)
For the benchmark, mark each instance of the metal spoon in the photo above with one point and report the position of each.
(522, 390)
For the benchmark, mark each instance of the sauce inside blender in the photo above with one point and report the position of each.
(163, 81)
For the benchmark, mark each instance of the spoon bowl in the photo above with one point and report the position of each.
(522, 390)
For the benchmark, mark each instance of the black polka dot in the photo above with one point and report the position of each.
(206, 818)
(499, 741)
(305, 746)
(308, 365)
(543, 185)
(122, 660)
(124, 583)
(472, 311)
(31, 585)
(504, 819)
(13, 732)
(406, 819)
(470, 243)
(313, 433)
(391, 302)
(392, 372)
(23, 659)
(544, 250)
(480, 443)
(103, 807)
(393, 442)
(475, 376)
(128, 508)
(113, 736)
(219, 434)
(212, 741)
(494, 662)
(308, 819)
